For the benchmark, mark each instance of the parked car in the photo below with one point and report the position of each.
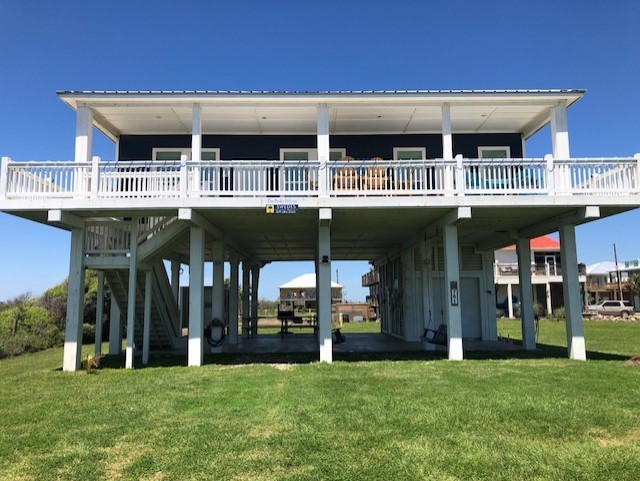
(623, 309)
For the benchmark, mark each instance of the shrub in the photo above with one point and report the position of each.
(36, 330)
(558, 313)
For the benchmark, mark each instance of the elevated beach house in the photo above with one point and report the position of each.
(426, 184)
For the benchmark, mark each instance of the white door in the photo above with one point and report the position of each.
(469, 301)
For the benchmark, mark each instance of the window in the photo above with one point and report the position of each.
(497, 152)
(310, 154)
(175, 154)
(409, 153)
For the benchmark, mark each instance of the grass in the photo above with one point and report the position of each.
(547, 418)
(369, 327)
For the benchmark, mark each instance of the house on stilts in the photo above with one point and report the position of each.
(425, 184)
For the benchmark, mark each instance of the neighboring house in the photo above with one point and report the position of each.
(602, 281)
(424, 184)
(372, 280)
(301, 293)
(546, 276)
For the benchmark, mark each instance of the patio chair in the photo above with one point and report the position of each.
(346, 178)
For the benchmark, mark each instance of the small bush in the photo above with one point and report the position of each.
(88, 333)
(558, 313)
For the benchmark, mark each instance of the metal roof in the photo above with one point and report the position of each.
(323, 92)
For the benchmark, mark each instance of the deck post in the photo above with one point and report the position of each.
(146, 328)
(99, 313)
(131, 298)
(447, 147)
(255, 279)
(489, 324)
(547, 296)
(75, 304)
(95, 176)
(453, 312)
(175, 280)
(115, 327)
(323, 150)
(4, 176)
(523, 248)
(217, 295)
(233, 298)
(427, 286)
(323, 289)
(510, 301)
(246, 288)
(196, 297)
(184, 176)
(571, 291)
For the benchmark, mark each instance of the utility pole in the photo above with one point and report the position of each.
(615, 258)
(337, 277)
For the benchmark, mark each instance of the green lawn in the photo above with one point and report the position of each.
(369, 327)
(547, 418)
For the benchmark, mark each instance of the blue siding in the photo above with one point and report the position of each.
(139, 147)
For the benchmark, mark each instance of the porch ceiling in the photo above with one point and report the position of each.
(357, 113)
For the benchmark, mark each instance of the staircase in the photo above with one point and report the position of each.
(165, 319)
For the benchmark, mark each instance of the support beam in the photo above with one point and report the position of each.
(75, 304)
(523, 248)
(196, 297)
(255, 280)
(217, 299)
(146, 328)
(233, 298)
(99, 314)
(323, 290)
(193, 218)
(454, 217)
(175, 280)
(323, 149)
(246, 289)
(547, 295)
(131, 298)
(571, 290)
(453, 312)
(560, 131)
(84, 134)
(115, 327)
(64, 220)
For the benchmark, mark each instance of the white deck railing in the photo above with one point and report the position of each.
(458, 177)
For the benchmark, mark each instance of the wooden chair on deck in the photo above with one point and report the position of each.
(375, 178)
(346, 178)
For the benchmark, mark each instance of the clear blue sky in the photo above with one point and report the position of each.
(45, 46)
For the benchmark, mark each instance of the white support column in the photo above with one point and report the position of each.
(217, 300)
(560, 131)
(116, 154)
(255, 281)
(99, 313)
(146, 329)
(233, 298)
(196, 297)
(246, 288)
(95, 176)
(447, 137)
(75, 304)
(175, 280)
(510, 300)
(427, 286)
(196, 147)
(453, 312)
(490, 321)
(131, 298)
(84, 134)
(523, 249)
(547, 295)
(323, 149)
(115, 327)
(323, 290)
(447, 146)
(571, 291)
